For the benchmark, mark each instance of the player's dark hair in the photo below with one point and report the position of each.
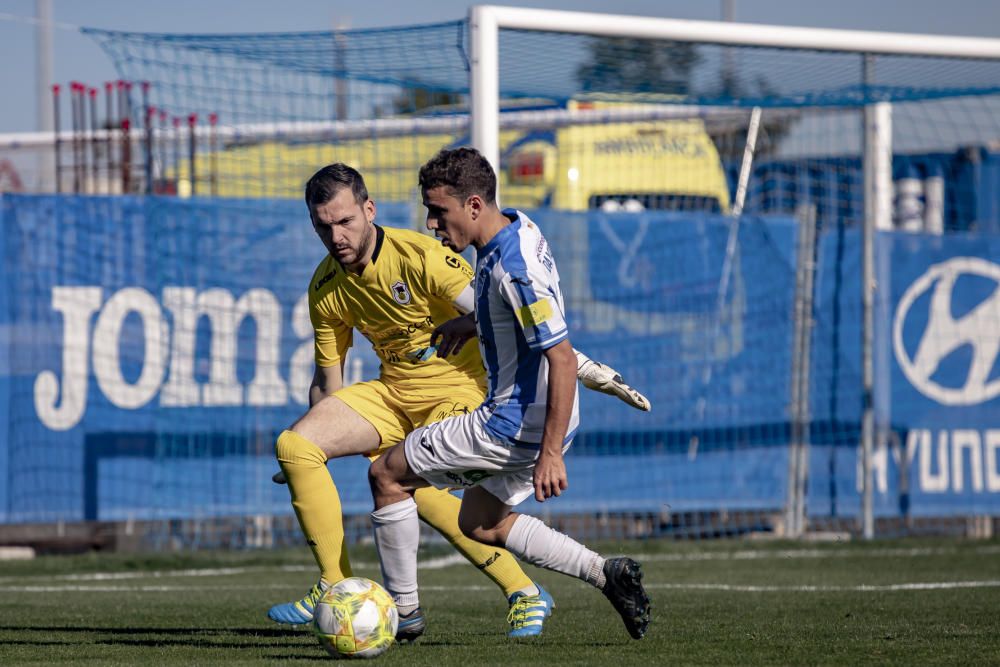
(464, 170)
(331, 179)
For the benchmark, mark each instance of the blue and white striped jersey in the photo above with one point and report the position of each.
(519, 314)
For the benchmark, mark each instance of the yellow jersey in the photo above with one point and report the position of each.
(407, 289)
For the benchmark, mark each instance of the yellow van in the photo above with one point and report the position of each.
(662, 164)
(659, 164)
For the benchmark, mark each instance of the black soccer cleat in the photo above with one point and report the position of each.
(411, 626)
(623, 586)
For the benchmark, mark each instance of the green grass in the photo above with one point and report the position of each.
(724, 603)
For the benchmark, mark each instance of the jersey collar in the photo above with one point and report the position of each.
(515, 224)
(379, 237)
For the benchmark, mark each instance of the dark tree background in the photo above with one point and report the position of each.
(622, 65)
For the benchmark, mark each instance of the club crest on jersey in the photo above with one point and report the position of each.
(400, 292)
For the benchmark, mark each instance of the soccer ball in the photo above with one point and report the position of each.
(356, 618)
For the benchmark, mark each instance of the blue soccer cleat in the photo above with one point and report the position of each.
(528, 613)
(411, 626)
(299, 612)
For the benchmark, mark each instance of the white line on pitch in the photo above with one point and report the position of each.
(450, 560)
(858, 588)
(735, 588)
(166, 588)
(785, 554)
(429, 564)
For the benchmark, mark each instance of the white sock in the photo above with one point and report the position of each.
(397, 536)
(534, 542)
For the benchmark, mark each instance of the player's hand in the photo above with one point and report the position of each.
(279, 477)
(549, 477)
(601, 377)
(453, 335)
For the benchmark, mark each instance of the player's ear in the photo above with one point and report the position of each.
(475, 204)
(370, 210)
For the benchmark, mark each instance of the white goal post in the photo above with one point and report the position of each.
(486, 21)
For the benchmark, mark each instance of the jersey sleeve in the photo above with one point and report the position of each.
(537, 310)
(332, 337)
(447, 273)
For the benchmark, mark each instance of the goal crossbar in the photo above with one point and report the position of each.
(485, 22)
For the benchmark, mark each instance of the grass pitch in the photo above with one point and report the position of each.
(725, 603)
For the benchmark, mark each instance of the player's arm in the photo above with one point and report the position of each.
(538, 313)
(550, 470)
(451, 337)
(448, 276)
(326, 380)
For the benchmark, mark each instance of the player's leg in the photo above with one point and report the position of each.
(488, 518)
(439, 509)
(339, 425)
(435, 448)
(397, 528)
(329, 430)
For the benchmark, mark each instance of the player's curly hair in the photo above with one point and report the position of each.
(464, 170)
(331, 179)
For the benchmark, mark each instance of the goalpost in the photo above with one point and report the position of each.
(486, 22)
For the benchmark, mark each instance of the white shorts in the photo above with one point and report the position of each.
(458, 452)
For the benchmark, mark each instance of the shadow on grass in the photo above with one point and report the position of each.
(265, 639)
(245, 632)
(189, 643)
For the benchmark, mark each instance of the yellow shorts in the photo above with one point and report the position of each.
(395, 409)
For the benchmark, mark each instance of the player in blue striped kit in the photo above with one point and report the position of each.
(512, 445)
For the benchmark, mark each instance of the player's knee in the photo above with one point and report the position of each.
(379, 478)
(292, 448)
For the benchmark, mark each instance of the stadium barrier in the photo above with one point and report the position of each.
(153, 347)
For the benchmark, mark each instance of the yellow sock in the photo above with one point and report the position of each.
(440, 509)
(316, 503)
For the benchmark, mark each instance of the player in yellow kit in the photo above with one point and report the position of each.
(400, 289)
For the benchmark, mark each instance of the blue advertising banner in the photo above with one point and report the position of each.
(153, 348)
(937, 338)
(155, 345)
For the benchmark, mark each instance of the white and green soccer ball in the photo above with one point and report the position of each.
(355, 618)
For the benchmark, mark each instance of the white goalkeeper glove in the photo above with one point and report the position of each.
(599, 377)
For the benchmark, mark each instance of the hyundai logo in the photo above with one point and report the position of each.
(943, 334)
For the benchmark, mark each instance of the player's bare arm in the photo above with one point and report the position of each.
(326, 380)
(550, 470)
